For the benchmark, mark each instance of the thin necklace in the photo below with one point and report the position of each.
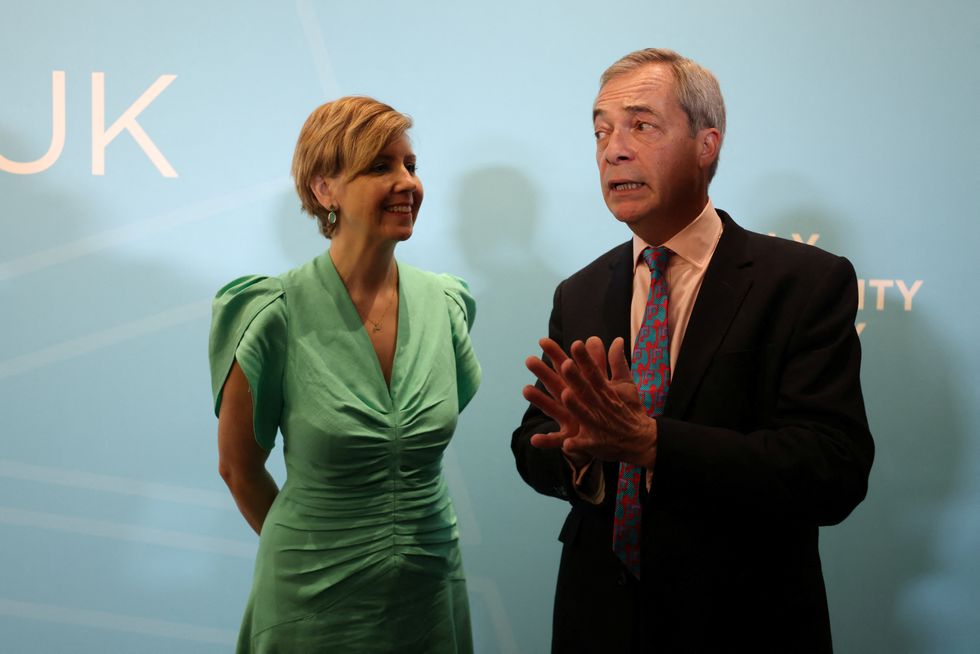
(377, 323)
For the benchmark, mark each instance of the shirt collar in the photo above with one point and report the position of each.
(694, 243)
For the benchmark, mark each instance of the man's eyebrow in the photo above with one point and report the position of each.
(641, 109)
(630, 108)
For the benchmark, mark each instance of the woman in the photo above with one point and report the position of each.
(363, 364)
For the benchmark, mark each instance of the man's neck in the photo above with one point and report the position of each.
(657, 230)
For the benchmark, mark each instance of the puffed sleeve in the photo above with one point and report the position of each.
(462, 312)
(248, 323)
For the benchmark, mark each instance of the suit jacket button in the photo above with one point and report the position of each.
(621, 580)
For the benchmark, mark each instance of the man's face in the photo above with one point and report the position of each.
(650, 166)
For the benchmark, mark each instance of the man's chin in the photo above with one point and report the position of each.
(624, 211)
(627, 217)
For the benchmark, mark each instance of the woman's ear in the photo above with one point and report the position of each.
(323, 189)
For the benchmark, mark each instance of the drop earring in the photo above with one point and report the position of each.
(332, 217)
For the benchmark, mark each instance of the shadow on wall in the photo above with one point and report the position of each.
(517, 556)
(923, 514)
(876, 560)
(498, 209)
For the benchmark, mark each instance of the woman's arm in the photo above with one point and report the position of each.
(241, 461)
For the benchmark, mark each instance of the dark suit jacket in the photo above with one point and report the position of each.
(763, 439)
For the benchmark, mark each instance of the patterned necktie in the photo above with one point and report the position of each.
(651, 373)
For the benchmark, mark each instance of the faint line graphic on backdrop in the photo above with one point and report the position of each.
(469, 528)
(115, 622)
(105, 338)
(487, 589)
(127, 532)
(114, 484)
(142, 229)
(318, 47)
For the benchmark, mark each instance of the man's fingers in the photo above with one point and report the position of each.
(551, 379)
(586, 371)
(548, 404)
(577, 447)
(617, 361)
(580, 410)
(553, 351)
(576, 384)
(551, 440)
(597, 350)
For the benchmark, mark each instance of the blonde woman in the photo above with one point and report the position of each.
(363, 364)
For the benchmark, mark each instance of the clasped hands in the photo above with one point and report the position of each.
(599, 413)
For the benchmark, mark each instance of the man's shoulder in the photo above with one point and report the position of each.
(601, 266)
(789, 255)
(776, 252)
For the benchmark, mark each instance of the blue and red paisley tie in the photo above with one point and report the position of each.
(651, 373)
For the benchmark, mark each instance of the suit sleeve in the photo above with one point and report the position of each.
(544, 470)
(810, 454)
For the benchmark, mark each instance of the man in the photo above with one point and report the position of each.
(698, 478)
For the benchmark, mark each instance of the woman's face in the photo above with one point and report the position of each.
(383, 202)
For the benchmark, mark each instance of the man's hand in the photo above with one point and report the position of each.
(568, 426)
(600, 415)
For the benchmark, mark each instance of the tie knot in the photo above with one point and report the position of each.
(656, 259)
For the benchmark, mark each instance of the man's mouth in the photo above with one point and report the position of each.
(625, 186)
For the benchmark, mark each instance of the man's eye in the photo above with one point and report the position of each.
(644, 127)
(599, 135)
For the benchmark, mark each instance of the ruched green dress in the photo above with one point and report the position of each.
(359, 552)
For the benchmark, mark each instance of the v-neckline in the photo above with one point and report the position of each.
(347, 304)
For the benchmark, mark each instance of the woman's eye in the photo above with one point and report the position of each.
(411, 168)
(379, 167)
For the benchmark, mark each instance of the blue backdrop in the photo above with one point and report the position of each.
(145, 156)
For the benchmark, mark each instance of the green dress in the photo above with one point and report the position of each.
(360, 551)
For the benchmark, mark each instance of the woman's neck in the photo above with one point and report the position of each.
(364, 268)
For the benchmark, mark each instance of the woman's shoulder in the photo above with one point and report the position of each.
(249, 291)
(454, 290)
(250, 286)
(259, 289)
(237, 304)
(248, 323)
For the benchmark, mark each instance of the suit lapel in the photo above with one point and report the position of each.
(616, 322)
(619, 295)
(725, 284)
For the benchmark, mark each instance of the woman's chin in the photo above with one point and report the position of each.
(401, 234)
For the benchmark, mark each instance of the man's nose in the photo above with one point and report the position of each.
(619, 147)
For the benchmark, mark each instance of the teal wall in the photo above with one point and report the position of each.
(851, 123)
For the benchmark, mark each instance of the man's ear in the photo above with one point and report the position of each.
(709, 144)
(323, 189)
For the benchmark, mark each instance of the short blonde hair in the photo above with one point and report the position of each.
(697, 88)
(341, 139)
